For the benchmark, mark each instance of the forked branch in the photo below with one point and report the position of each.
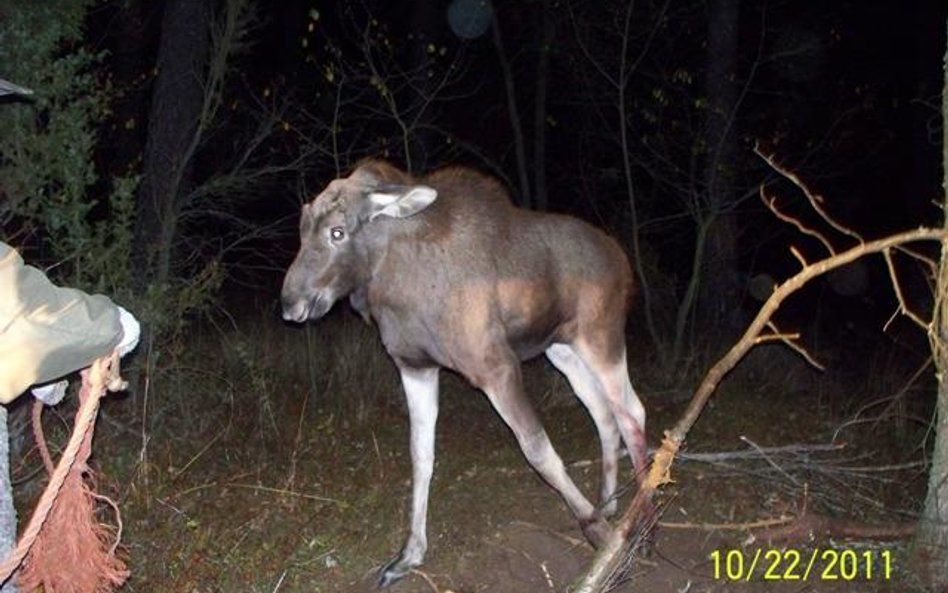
(815, 199)
(784, 290)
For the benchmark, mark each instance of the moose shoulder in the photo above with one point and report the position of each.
(456, 276)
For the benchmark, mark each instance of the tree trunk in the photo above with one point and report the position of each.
(176, 105)
(931, 541)
(130, 60)
(719, 278)
(547, 33)
(516, 123)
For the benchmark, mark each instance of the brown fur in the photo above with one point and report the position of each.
(472, 283)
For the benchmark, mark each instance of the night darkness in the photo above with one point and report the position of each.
(858, 81)
(277, 450)
(846, 96)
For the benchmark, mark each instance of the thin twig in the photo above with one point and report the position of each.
(926, 261)
(755, 454)
(744, 454)
(427, 579)
(908, 384)
(572, 541)
(904, 309)
(378, 456)
(279, 583)
(294, 458)
(203, 450)
(796, 253)
(729, 526)
(771, 203)
(893, 467)
(287, 493)
(781, 293)
(788, 340)
(768, 459)
(119, 525)
(816, 200)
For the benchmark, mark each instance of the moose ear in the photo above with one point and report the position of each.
(400, 201)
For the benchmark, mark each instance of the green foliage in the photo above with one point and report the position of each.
(167, 308)
(54, 198)
(47, 149)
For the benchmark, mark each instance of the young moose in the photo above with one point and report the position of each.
(456, 276)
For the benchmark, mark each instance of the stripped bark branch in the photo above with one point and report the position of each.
(641, 515)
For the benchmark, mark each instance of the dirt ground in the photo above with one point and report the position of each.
(501, 530)
(324, 518)
(271, 492)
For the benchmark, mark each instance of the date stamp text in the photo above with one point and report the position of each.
(823, 564)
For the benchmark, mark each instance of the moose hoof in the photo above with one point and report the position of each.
(392, 572)
(597, 531)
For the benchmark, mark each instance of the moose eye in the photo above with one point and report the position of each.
(336, 233)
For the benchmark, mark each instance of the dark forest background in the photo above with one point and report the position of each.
(175, 140)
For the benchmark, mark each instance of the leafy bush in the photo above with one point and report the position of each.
(48, 146)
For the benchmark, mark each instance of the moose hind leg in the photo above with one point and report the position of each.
(627, 408)
(505, 391)
(591, 393)
(421, 394)
(630, 414)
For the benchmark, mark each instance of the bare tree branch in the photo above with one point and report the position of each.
(904, 309)
(771, 203)
(788, 340)
(816, 200)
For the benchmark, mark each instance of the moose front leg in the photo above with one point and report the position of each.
(421, 393)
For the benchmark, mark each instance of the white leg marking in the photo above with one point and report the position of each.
(626, 407)
(628, 410)
(421, 393)
(591, 393)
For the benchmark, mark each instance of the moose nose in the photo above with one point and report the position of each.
(295, 310)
